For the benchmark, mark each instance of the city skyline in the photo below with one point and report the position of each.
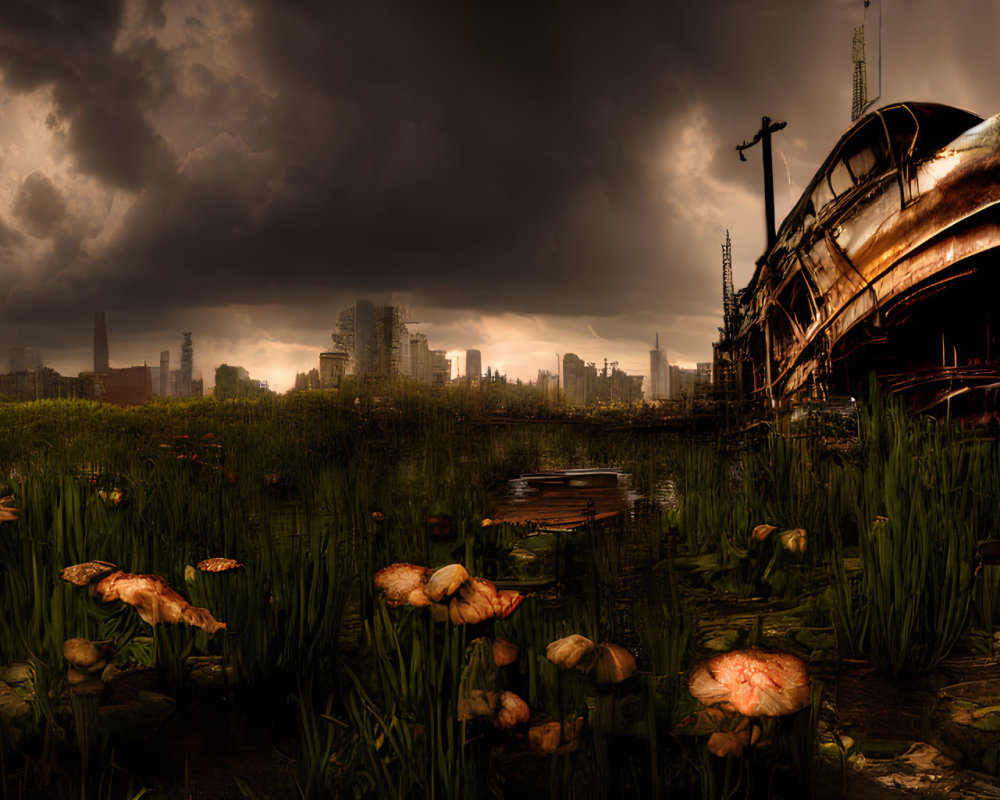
(528, 181)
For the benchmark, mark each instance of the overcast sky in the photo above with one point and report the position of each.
(530, 178)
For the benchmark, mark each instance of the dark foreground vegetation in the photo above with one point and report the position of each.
(317, 689)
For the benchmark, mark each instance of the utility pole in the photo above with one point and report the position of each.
(767, 127)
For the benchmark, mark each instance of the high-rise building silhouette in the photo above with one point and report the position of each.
(164, 373)
(473, 366)
(576, 386)
(187, 365)
(659, 373)
(440, 367)
(100, 343)
(365, 338)
(421, 367)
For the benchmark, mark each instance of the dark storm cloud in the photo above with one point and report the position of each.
(100, 93)
(466, 152)
(470, 146)
(39, 205)
(554, 158)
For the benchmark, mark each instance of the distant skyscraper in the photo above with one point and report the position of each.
(420, 359)
(164, 387)
(659, 373)
(187, 365)
(100, 343)
(440, 367)
(365, 338)
(574, 379)
(473, 365)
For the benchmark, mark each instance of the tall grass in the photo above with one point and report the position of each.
(313, 494)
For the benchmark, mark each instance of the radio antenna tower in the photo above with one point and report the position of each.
(728, 295)
(860, 96)
(860, 101)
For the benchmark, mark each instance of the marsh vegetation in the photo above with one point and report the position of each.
(316, 687)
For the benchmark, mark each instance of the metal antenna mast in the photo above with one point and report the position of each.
(859, 98)
(728, 295)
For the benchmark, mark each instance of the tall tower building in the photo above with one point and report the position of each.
(574, 379)
(421, 367)
(100, 343)
(187, 364)
(659, 373)
(473, 366)
(440, 367)
(365, 338)
(164, 373)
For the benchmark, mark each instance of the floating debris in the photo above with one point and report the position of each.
(218, 564)
(567, 498)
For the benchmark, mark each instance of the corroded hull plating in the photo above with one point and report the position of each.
(886, 265)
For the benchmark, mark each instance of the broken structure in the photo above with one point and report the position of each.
(884, 265)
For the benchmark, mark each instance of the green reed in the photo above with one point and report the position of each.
(925, 494)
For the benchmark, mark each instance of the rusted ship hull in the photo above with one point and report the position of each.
(886, 265)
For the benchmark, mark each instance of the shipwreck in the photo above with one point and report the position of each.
(885, 265)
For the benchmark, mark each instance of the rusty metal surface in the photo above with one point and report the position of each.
(565, 499)
(887, 263)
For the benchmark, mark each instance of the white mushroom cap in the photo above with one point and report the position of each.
(569, 651)
(445, 581)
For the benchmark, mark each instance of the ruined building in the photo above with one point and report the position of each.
(884, 266)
